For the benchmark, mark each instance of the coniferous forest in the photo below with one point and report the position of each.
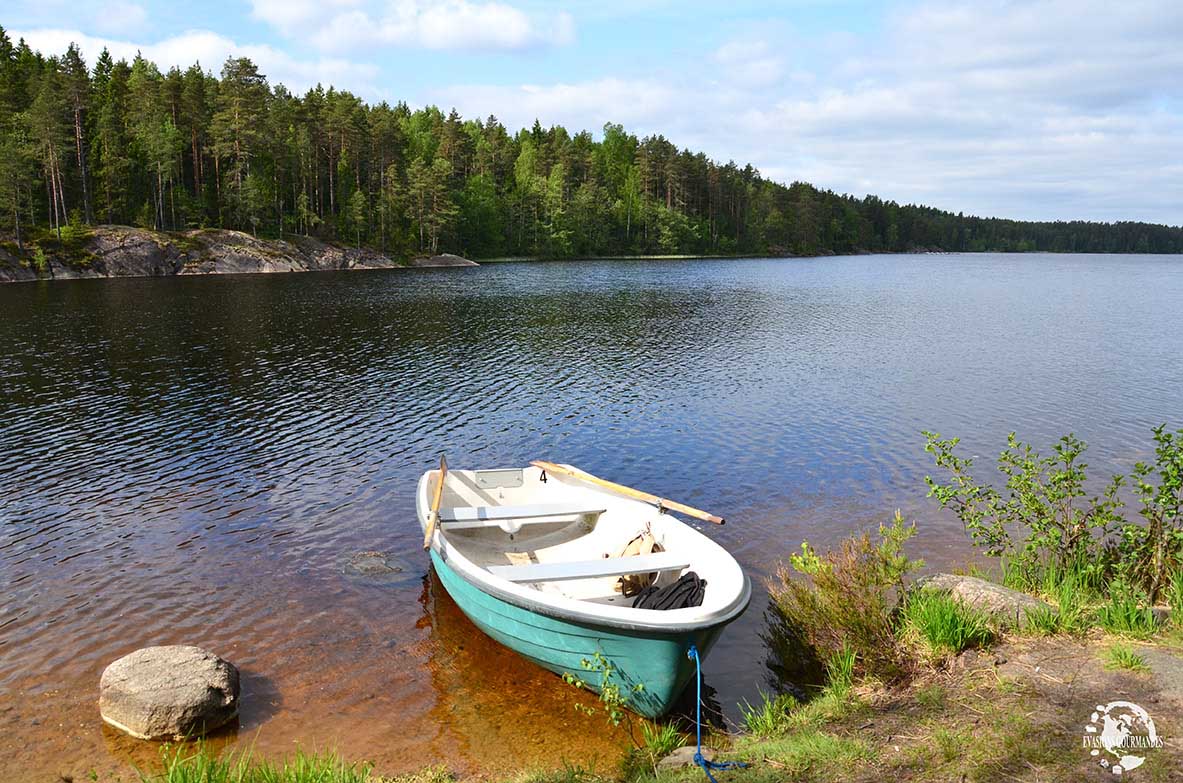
(117, 142)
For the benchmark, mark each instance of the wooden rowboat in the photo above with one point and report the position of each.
(534, 558)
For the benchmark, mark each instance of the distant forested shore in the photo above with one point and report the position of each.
(125, 143)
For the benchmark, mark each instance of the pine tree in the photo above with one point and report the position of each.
(77, 81)
(49, 129)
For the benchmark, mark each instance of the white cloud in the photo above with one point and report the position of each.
(577, 106)
(120, 16)
(211, 50)
(344, 25)
(750, 62)
(1052, 109)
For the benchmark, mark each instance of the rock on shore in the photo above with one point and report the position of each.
(1006, 605)
(122, 251)
(173, 692)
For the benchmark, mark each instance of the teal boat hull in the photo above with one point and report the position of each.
(655, 661)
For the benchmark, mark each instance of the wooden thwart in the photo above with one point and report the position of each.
(467, 514)
(470, 518)
(551, 467)
(592, 569)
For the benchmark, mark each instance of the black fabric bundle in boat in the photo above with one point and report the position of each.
(687, 591)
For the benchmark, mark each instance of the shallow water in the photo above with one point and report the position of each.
(194, 460)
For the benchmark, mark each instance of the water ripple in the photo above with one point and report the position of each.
(188, 459)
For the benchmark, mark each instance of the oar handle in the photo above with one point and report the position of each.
(433, 515)
(672, 505)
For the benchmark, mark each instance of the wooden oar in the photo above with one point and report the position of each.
(433, 515)
(690, 511)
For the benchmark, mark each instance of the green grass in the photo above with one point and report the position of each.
(660, 740)
(1072, 593)
(809, 750)
(932, 697)
(1042, 621)
(950, 743)
(1119, 656)
(570, 773)
(200, 765)
(1126, 613)
(436, 774)
(771, 717)
(1175, 598)
(945, 624)
(840, 671)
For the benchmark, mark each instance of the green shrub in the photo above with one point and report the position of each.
(1127, 612)
(770, 718)
(1119, 656)
(1044, 500)
(1152, 552)
(1044, 525)
(945, 624)
(849, 599)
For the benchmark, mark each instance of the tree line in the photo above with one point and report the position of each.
(126, 143)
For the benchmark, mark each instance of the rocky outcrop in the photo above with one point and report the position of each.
(1005, 605)
(444, 259)
(122, 251)
(14, 268)
(173, 692)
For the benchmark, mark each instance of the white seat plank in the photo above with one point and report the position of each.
(591, 569)
(465, 517)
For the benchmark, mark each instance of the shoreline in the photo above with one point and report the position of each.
(112, 251)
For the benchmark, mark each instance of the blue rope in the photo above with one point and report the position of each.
(706, 764)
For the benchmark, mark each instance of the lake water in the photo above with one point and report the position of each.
(194, 460)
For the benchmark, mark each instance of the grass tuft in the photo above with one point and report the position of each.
(1119, 656)
(1042, 621)
(771, 717)
(932, 697)
(808, 751)
(1175, 598)
(200, 765)
(434, 774)
(1127, 612)
(945, 624)
(950, 743)
(840, 672)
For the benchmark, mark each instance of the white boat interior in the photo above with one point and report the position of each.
(559, 541)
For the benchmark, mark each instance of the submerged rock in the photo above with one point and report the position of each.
(377, 568)
(172, 692)
(1002, 603)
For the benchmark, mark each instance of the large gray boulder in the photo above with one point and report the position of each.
(173, 692)
(1007, 606)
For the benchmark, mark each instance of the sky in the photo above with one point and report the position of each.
(1038, 109)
